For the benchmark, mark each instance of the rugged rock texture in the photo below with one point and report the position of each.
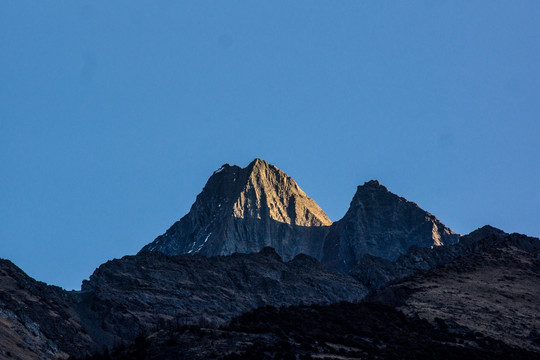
(138, 293)
(245, 210)
(492, 288)
(37, 321)
(381, 224)
(373, 271)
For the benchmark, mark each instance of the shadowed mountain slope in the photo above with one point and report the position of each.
(138, 293)
(37, 321)
(244, 210)
(381, 224)
(492, 287)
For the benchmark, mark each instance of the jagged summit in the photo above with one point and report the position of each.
(244, 210)
(270, 192)
(224, 166)
(373, 184)
(382, 224)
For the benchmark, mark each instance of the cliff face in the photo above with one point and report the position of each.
(381, 224)
(244, 210)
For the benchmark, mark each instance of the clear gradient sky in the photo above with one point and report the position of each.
(114, 114)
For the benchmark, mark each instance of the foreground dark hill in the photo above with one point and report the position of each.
(381, 224)
(138, 293)
(339, 331)
(478, 293)
(244, 210)
(492, 287)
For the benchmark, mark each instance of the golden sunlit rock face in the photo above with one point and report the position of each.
(244, 210)
(271, 193)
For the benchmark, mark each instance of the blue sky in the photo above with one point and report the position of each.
(113, 116)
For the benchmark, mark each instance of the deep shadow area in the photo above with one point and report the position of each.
(339, 331)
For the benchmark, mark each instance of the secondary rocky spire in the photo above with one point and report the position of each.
(382, 224)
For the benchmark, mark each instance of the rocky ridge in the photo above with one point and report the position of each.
(373, 271)
(245, 209)
(136, 294)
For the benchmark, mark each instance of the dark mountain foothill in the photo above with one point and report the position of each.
(135, 294)
(338, 331)
(138, 293)
(492, 288)
(37, 321)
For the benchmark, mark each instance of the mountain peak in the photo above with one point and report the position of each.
(482, 233)
(382, 224)
(269, 192)
(257, 162)
(244, 210)
(373, 185)
(263, 172)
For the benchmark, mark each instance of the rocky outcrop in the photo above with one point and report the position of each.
(244, 210)
(37, 321)
(138, 293)
(374, 271)
(381, 224)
